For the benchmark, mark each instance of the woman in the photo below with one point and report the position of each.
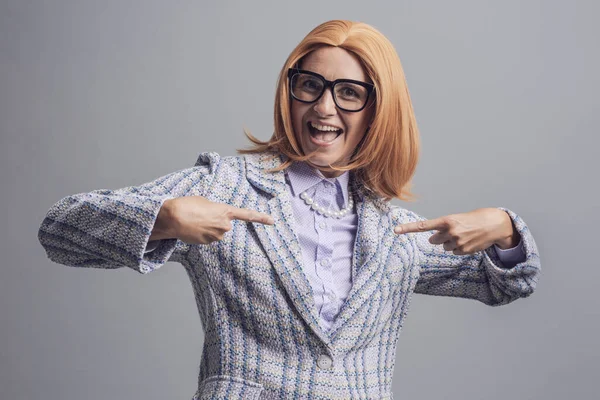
(301, 268)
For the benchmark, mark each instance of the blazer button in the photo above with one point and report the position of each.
(324, 361)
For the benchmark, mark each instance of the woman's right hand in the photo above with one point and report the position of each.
(196, 220)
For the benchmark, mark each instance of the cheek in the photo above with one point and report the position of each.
(357, 129)
(298, 112)
(296, 115)
(355, 139)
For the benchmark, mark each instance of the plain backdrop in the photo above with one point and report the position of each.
(108, 94)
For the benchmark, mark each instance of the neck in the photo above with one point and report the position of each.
(331, 174)
(326, 170)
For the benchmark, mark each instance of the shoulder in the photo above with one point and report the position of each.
(263, 160)
(217, 164)
(253, 168)
(400, 215)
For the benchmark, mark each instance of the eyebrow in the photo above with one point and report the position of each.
(332, 80)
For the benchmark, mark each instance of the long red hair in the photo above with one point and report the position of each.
(386, 159)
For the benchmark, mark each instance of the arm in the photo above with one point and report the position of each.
(112, 228)
(481, 275)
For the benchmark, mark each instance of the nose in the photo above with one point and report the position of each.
(325, 105)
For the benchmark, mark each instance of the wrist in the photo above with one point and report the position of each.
(165, 224)
(511, 236)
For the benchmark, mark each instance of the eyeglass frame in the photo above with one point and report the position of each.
(329, 84)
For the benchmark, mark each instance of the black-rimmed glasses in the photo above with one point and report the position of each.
(348, 94)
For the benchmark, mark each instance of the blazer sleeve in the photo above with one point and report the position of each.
(482, 275)
(110, 228)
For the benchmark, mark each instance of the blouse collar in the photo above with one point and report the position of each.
(302, 177)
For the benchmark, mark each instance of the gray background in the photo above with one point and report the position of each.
(116, 93)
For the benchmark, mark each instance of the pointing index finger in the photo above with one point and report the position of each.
(421, 226)
(245, 214)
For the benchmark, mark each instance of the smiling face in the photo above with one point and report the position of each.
(323, 127)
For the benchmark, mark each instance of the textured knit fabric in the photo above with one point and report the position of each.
(327, 243)
(263, 339)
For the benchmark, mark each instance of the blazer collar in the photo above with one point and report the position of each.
(257, 167)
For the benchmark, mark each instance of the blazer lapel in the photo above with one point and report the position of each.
(280, 241)
(367, 267)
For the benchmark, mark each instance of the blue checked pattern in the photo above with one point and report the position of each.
(262, 334)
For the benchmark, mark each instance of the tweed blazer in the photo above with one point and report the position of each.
(262, 336)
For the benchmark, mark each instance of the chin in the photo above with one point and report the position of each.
(324, 156)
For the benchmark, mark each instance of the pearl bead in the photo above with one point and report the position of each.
(326, 212)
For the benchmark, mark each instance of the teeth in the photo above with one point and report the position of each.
(324, 128)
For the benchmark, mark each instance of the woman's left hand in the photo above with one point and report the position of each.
(469, 232)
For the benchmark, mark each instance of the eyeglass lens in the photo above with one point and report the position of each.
(347, 95)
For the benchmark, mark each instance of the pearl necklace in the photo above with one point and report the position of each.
(326, 212)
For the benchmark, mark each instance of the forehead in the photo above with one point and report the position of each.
(334, 63)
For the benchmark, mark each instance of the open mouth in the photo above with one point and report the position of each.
(324, 136)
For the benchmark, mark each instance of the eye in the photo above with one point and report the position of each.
(311, 84)
(348, 92)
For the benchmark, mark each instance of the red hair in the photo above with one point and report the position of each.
(385, 161)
